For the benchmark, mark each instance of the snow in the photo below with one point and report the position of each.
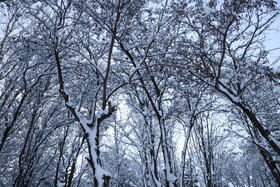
(158, 184)
(134, 37)
(208, 10)
(234, 98)
(274, 140)
(99, 171)
(102, 112)
(138, 66)
(171, 178)
(153, 5)
(168, 55)
(98, 10)
(147, 112)
(69, 103)
(84, 121)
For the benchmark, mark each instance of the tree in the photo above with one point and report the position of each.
(227, 54)
(169, 67)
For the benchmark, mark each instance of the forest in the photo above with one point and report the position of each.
(139, 93)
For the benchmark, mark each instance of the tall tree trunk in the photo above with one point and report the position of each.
(183, 157)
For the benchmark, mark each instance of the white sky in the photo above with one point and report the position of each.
(273, 40)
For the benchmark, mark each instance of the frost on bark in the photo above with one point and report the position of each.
(91, 130)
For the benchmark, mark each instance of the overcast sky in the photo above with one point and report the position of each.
(273, 40)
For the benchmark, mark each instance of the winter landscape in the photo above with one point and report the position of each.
(139, 93)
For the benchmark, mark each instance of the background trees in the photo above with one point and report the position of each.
(138, 93)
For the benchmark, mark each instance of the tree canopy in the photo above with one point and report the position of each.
(145, 93)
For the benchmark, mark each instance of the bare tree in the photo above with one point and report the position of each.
(230, 57)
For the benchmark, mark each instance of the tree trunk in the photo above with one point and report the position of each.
(183, 157)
